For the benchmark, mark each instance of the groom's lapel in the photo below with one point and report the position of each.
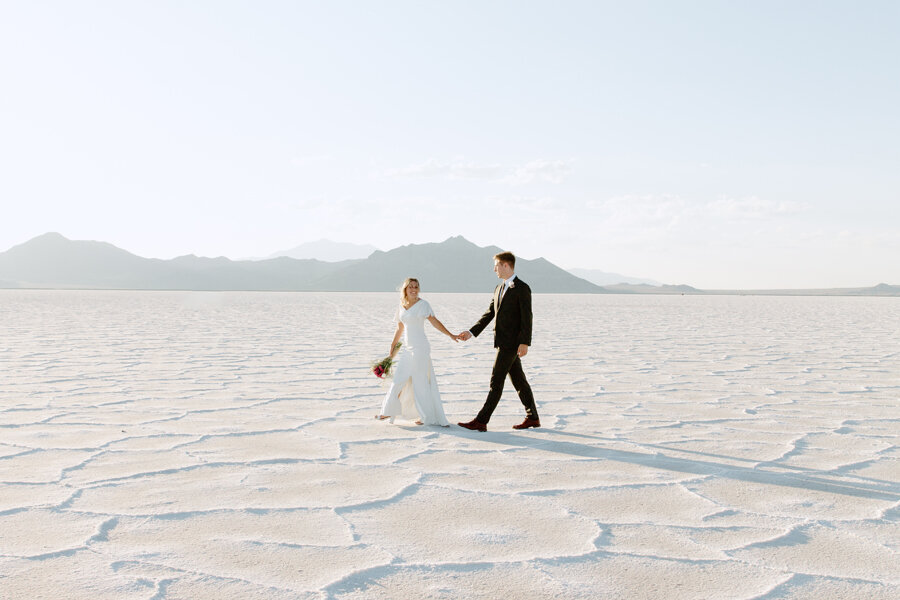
(497, 297)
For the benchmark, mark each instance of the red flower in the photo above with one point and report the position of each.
(382, 368)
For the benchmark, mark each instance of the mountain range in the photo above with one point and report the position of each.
(455, 265)
(51, 261)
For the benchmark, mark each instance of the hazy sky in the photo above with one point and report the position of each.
(731, 144)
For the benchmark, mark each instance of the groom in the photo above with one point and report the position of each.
(511, 306)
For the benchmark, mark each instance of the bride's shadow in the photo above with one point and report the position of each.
(552, 440)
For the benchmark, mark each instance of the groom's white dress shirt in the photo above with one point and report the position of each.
(506, 284)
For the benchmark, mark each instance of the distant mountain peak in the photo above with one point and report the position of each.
(51, 235)
(56, 242)
(457, 239)
(604, 278)
(327, 251)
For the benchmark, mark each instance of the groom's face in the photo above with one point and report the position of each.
(502, 269)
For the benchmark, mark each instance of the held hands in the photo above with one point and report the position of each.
(522, 350)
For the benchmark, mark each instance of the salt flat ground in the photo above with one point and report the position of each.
(223, 445)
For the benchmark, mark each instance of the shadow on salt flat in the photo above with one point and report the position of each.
(887, 491)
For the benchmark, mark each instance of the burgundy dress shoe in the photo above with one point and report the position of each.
(528, 422)
(474, 425)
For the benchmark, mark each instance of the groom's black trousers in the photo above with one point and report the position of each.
(507, 362)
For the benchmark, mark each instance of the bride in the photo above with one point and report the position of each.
(414, 390)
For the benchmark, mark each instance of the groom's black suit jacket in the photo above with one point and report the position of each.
(513, 314)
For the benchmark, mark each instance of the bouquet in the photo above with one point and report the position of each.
(382, 367)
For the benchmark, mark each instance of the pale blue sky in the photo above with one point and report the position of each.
(720, 144)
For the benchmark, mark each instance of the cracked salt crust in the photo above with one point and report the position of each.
(162, 445)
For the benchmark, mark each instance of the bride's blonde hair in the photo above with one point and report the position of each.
(405, 285)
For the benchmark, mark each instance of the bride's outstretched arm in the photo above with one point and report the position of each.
(396, 341)
(440, 327)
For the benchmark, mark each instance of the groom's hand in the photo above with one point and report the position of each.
(523, 350)
(465, 335)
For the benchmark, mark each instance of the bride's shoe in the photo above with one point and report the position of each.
(382, 417)
(419, 422)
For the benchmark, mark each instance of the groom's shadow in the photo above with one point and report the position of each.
(548, 440)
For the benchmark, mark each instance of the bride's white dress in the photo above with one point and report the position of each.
(414, 391)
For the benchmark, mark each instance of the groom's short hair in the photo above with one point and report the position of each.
(507, 257)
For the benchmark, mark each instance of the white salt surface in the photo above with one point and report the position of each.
(222, 445)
